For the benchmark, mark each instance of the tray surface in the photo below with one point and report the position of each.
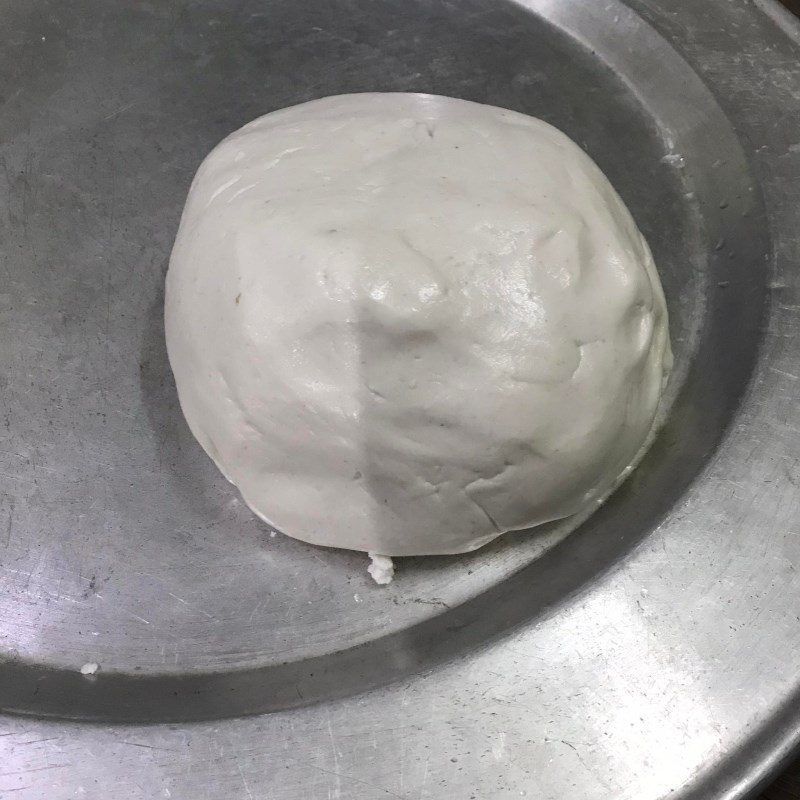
(649, 648)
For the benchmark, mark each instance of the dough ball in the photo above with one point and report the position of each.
(405, 324)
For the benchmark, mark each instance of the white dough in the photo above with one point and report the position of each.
(405, 324)
(381, 569)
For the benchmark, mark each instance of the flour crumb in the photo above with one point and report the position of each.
(90, 668)
(356, 598)
(381, 568)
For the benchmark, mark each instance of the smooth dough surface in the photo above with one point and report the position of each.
(405, 324)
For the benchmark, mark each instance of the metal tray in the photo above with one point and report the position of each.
(650, 650)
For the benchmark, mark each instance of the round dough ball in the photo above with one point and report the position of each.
(405, 324)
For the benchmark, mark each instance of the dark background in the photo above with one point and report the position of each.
(787, 787)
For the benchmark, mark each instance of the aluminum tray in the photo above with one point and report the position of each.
(652, 650)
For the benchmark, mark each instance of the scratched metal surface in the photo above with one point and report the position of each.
(649, 651)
